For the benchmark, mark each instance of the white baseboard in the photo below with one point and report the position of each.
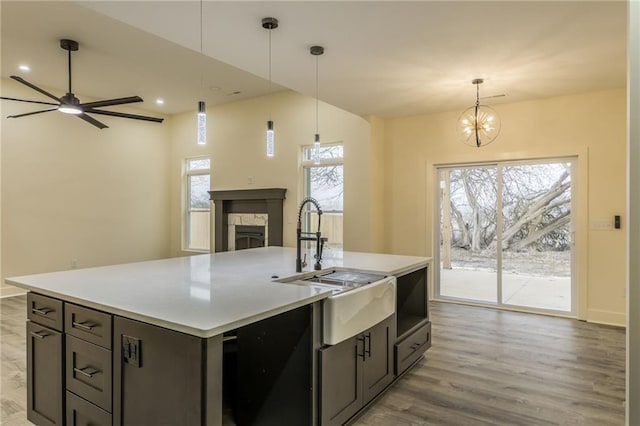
(607, 317)
(9, 291)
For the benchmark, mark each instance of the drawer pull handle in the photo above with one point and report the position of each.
(43, 311)
(83, 325)
(415, 346)
(84, 373)
(38, 334)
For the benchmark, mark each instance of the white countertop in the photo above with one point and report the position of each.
(204, 295)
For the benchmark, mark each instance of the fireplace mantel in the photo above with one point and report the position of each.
(266, 200)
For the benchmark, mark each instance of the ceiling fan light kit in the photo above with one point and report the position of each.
(70, 104)
(478, 125)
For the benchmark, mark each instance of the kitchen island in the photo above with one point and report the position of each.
(148, 342)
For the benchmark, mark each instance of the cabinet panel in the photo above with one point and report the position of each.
(168, 377)
(411, 301)
(45, 388)
(341, 380)
(409, 349)
(45, 311)
(378, 362)
(89, 371)
(83, 413)
(88, 324)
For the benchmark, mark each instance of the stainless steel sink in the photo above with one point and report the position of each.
(347, 279)
(359, 301)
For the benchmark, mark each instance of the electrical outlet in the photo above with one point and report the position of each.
(131, 350)
(74, 263)
(249, 180)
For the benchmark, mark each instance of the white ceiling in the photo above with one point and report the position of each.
(382, 58)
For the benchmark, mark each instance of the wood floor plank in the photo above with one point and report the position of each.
(486, 367)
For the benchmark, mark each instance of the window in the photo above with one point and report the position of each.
(197, 217)
(325, 183)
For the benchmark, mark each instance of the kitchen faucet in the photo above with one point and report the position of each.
(309, 236)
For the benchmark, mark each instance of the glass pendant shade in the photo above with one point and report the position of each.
(478, 126)
(316, 149)
(270, 139)
(202, 124)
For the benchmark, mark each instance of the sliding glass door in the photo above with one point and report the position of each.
(506, 235)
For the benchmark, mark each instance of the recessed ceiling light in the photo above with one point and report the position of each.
(160, 101)
(25, 68)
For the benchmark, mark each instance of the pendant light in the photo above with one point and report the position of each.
(478, 125)
(270, 23)
(201, 128)
(316, 51)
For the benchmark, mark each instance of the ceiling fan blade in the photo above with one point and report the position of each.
(124, 115)
(34, 87)
(27, 100)
(31, 113)
(92, 120)
(494, 96)
(110, 102)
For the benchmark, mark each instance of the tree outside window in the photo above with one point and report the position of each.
(197, 217)
(325, 183)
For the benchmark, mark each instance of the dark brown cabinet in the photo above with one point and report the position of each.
(45, 401)
(377, 370)
(163, 377)
(88, 371)
(413, 326)
(83, 413)
(88, 361)
(353, 372)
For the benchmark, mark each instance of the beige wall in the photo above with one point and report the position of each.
(589, 126)
(72, 191)
(236, 146)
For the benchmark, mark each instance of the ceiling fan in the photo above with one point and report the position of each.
(70, 104)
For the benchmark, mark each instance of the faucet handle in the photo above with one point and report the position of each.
(304, 260)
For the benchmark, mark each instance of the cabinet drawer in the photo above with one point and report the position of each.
(83, 413)
(45, 311)
(88, 324)
(89, 372)
(409, 349)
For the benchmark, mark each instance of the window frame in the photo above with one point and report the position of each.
(187, 209)
(307, 164)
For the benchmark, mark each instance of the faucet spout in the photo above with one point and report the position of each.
(305, 236)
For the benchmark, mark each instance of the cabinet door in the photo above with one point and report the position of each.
(161, 377)
(44, 375)
(341, 381)
(377, 369)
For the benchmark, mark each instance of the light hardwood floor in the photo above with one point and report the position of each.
(486, 367)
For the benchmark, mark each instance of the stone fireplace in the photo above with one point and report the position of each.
(247, 218)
